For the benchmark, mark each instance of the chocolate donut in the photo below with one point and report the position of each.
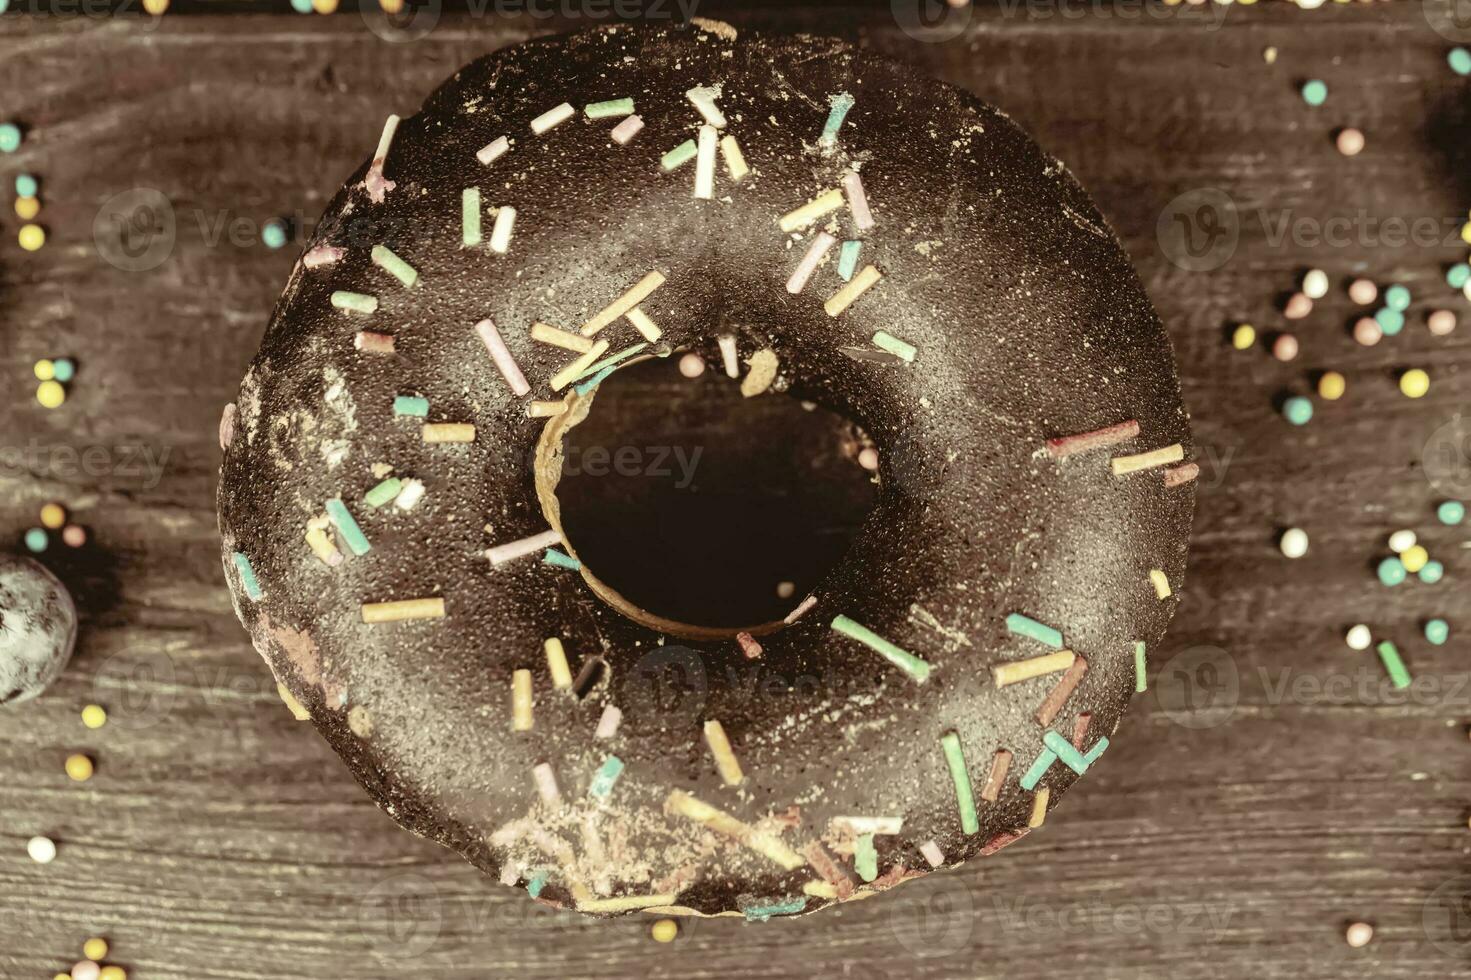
(818, 222)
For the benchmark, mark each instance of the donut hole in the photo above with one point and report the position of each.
(697, 504)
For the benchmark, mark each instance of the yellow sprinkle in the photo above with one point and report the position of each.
(1124, 465)
(1331, 386)
(1414, 558)
(62, 976)
(322, 546)
(1039, 807)
(557, 662)
(325, 6)
(664, 931)
(762, 843)
(1415, 383)
(448, 432)
(392, 612)
(79, 768)
(735, 160)
(846, 296)
(1161, 584)
(391, 6)
(818, 888)
(156, 7)
(564, 377)
(548, 334)
(814, 209)
(641, 291)
(545, 410)
(1022, 670)
(725, 758)
(521, 701)
(1243, 336)
(112, 973)
(94, 716)
(50, 394)
(53, 516)
(1466, 232)
(298, 711)
(31, 237)
(644, 325)
(45, 369)
(26, 208)
(625, 903)
(95, 949)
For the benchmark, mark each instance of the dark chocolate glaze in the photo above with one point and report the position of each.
(1029, 322)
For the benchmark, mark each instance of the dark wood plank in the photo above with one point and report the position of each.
(221, 839)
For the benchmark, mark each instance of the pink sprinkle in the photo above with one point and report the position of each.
(692, 365)
(1285, 348)
(627, 130)
(86, 970)
(1367, 332)
(1442, 322)
(1111, 436)
(1080, 728)
(810, 262)
(1178, 476)
(504, 362)
(373, 343)
(1363, 292)
(227, 426)
(857, 200)
(546, 782)
(749, 645)
(512, 550)
(493, 151)
(1298, 306)
(932, 853)
(608, 724)
(801, 610)
(73, 536)
(322, 255)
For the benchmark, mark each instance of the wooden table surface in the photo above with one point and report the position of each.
(1270, 789)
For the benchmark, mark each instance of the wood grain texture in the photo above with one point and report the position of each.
(1232, 831)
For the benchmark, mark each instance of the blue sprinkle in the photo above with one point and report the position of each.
(1460, 61)
(301, 6)
(1392, 571)
(411, 405)
(273, 235)
(1064, 750)
(1298, 410)
(26, 186)
(1451, 512)
(1397, 298)
(1029, 627)
(760, 913)
(1437, 631)
(603, 780)
(1458, 275)
(1433, 572)
(341, 517)
(36, 540)
(9, 137)
(63, 370)
(1390, 320)
(536, 884)
(555, 557)
(1039, 769)
(595, 380)
(840, 103)
(1096, 751)
(848, 259)
(247, 576)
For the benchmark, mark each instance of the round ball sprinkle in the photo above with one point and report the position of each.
(1298, 410)
(301, 6)
(1350, 142)
(64, 368)
(86, 970)
(94, 716)
(1315, 92)
(1315, 284)
(113, 973)
(1359, 934)
(79, 767)
(1298, 306)
(273, 235)
(664, 931)
(1441, 322)
(73, 536)
(1331, 386)
(1415, 383)
(868, 458)
(1402, 541)
(785, 590)
(1243, 336)
(9, 137)
(1359, 637)
(26, 208)
(95, 949)
(1458, 275)
(1367, 331)
(26, 186)
(692, 365)
(1392, 571)
(1294, 543)
(1364, 292)
(1391, 321)
(1415, 559)
(1437, 631)
(156, 7)
(31, 237)
(50, 394)
(1460, 61)
(325, 6)
(1397, 297)
(36, 540)
(1451, 512)
(1433, 572)
(53, 515)
(44, 369)
(1285, 347)
(41, 849)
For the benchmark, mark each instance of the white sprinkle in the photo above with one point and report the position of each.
(501, 355)
(810, 262)
(728, 355)
(735, 160)
(857, 201)
(705, 163)
(409, 495)
(512, 550)
(552, 117)
(390, 127)
(704, 97)
(627, 130)
(493, 151)
(500, 235)
(1294, 542)
(1359, 637)
(608, 724)
(1315, 284)
(1402, 541)
(545, 410)
(932, 853)
(546, 782)
(322, 255)
(870, 825)
(801, 610)
(692, 365)
(41, 849)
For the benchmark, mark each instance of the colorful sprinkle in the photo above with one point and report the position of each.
(42, 850)
(559, 560)
(760, 913)
(410, 495)
(552, 117)
(1124, 465)
(470, 217)
(31, 237)
(1390, 321)
(727, 345)
(848, 259)
(679, 156)
(664, 931)
(726, 762)
(703, 98)
(1058, 696)
(522, 699)
(1350, 141)
(10, 137)
(94, 716)
(608, 109)
(273, 234)
(342, 519)
(1458, 275)
(1360, 934)
(932, 853)
(79, 768)
(1178, 476)
(1298, 306)
(849, 294)
(545, 410)
(1437, 631)
(374, 182)
(1065, 752)
(1294, 542)
(26, 186)
(839, 105)
(1392, 571)
(1315, 92)
(619, 308)
(1433, 572)
(547, 334)
(354, 302)
(36, 540)
(916, 668)
(1451, 512)
(626, 130)
(823, 204)
(383, 493)
(493, 151)
(1331, 386)
(810, 261)
(960, 776)
(1039, 808)
(1415, 383)
(608, 723)
(1297, 410)
(501, 356)
(323, 546)
(1039, 768)
(373, 342)
(1363, 291)
(1441, 323)
(1243, 337)
(1367, 331)
(1000, 766)
(502, 553)
(501, 231)
(1358, 637)
(1397, 298)
(402, 609)
(1026, 626)
(644, 324)
(605, 778)
(709, 138)
(1398, 674)
(1016, 671)
(857, 201)
(735, 160)
(412, 406)
(866, 858)
(1285, 348)
(447, 432)
(886, 341)
(749, 646)
(248, 580)
(1141, 668)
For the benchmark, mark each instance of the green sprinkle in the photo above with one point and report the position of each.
(26, 186)
(1460, 61)
(1315, 92)
(1141, 669)
(383, 492)
(1096, 751)
(356, 302)
(557, 558)
(37, 540)
(536, 884)
(1392, 663)
(1458, 275)
(1392, 571)
(1065, 751)
(63, 369)
(903, 659)
(964, 798)
(1030, 628)
(391, 263)
(1039, 769)
(840, 104)
(247, 576)
(1391, 321)
(1451, 512)
(9, 137)
(848, 259)
(611, 359)
(679, 156)
(1397, 298)
(1298, 410)
(341, 518)
(602, 782)
(470, 216)
(865, 858)
(760, 913)
(887, 341)
(1433, 572)
(1437, 631)
(411, 405)
(609, 109)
